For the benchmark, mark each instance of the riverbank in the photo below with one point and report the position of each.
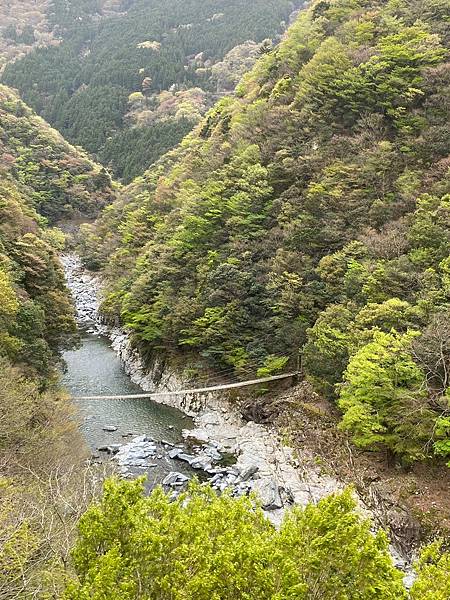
(262, 461)
(280, 475)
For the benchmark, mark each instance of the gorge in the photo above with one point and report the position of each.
(261, 463)
(297, 224)
(162, 442)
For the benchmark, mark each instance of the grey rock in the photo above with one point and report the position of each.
(215, 470)
(409, 579)
(201, 462)
(186, 457)
(268, 493)
(231, 479)
(212, 453)
(174, 453)
(287, 496)
(217, 477)
(233, 471)
(137, 462)
(110, 428)
(140, 439)
(249, 472)
(141, 454)
(175, 479)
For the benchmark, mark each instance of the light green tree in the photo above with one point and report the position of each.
(208, 547)
(433, 574)
(383, 399)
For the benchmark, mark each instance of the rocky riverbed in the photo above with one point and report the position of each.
(259, 461)
(222, 448)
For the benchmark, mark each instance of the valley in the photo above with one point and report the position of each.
(145, 72)
(195, 197)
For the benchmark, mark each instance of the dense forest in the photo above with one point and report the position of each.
(63, 182)
(311, 213)
(107, 53)
(304, 223)
(42, 179)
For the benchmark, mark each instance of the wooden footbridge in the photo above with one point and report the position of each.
(193, 396)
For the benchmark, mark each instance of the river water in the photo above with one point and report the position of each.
(95, 369)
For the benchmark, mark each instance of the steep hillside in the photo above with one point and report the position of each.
(110, 51)
(42, 180)
(63, 181)
(310, 216)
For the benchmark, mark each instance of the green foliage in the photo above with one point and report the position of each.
(326, 354)
(17, 547)
(383, 398)
(433, 570)
(442, 443)
(308, 213)
(273, 365)
(430, 231)
(60, 180)
(42, 178)
(130, 152)
(206, 546)
(8, 299)
(82, 85)
(41, 324)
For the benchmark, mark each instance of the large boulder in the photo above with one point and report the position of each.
(174, 479)
(268, 493)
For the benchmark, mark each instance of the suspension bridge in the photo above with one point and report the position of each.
(197, 393)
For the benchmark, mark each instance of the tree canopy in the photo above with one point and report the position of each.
(204, 546)
(309, 214)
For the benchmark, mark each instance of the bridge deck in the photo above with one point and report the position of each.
(204, 390)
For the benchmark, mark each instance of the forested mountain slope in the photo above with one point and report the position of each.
(310, 214)
(42, 179)
(101, 86)
(62, 181)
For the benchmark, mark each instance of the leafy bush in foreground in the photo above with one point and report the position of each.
(206, 547)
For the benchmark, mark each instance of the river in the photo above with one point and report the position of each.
(95, 369)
